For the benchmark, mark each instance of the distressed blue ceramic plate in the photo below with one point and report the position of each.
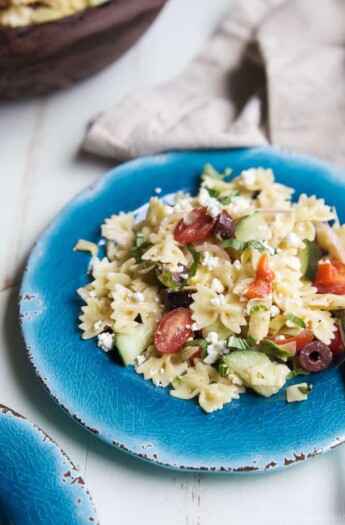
(250, 434)
(38, 483)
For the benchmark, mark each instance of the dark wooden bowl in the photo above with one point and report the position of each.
(38, 59)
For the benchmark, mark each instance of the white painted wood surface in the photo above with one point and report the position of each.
(41, 170)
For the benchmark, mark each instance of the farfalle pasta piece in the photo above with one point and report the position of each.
(321, 323)
(119, 228)
(128, 304)
(312, 209)
(255, 179)
(213, 392)
(161, 369)
(208, 306)
(96, 314)
(167, 251)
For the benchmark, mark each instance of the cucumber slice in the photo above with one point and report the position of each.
(252, 227)
(309, 258)
(257, 371)
(222, 331)
(131, 345)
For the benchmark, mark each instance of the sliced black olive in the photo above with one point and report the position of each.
(177, 299)
(315, 356)
(225, 226)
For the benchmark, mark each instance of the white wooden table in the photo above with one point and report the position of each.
(41, 170)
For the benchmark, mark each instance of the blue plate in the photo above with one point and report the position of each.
(38, 483)
(250, 434)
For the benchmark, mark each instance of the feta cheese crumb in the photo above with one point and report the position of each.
(106, 341)
(292, 239)
(209, 261)
(218, 300)
(215, 347)
(138, 297)
(158, 190)
(194, 327)
(249, 176)
(280, 338)
(182, 205)
(217, 286)
(140, 359)
(235, 380)
(212, 205)
(274, 311)
(98, 325)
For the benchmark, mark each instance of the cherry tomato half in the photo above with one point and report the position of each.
(337, 344)
(173, 331)
(301, 340)
(330, 278)
(202, 227)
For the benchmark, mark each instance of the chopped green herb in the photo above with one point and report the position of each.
(223, 370)
(139, 245)
(197, 342)
(177, 380)
(237, 343)
(305, 389)
(294, 319)
(196, 261)
(273, 350)
(166, 278)
(297, 372)
(258, 308)
(210, 171)
(242, 245)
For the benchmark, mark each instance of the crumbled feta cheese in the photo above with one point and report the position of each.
(217, 286)
(242, 287)
(235, 380)
(158, 190)
(184, 275)
(211, 357)
(290, 324)
(237, 265)
(238, 204)
(274, 311)
(218, 300)
(140, 359)
(98, 325)
(212, 338)
(292, 239)
(279, 250)
(213, 206)
(280, 338)
(209, 261)
(157, 300)
(324, 261)
(194, 327)
(249, 176)
(188, 326)
(106, 341)
(215, 347)
(138, 297)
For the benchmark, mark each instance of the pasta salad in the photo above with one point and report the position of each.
(237, 287)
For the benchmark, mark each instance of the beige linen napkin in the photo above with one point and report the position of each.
(274, 73)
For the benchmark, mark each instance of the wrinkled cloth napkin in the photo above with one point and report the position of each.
(273, 73)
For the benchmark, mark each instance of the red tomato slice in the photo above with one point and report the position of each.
(259, 289)
(301, 340)
(337, 345)
(330, 278)
(201, 228)
(173, 331)
(263, 271)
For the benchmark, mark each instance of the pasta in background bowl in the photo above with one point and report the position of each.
(137, 415)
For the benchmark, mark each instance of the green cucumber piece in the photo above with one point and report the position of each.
(257, 371)
(131, 345)
(252, 227)
(309, 257)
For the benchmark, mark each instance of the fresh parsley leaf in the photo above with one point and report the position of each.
(224, 199)
(305, 389)
(139, 245)
(197, 342)
(211, 172)
(241, 245)
(194, 266)
(294, 319)
(166, 278)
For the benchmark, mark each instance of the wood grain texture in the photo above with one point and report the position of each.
(40, 58)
